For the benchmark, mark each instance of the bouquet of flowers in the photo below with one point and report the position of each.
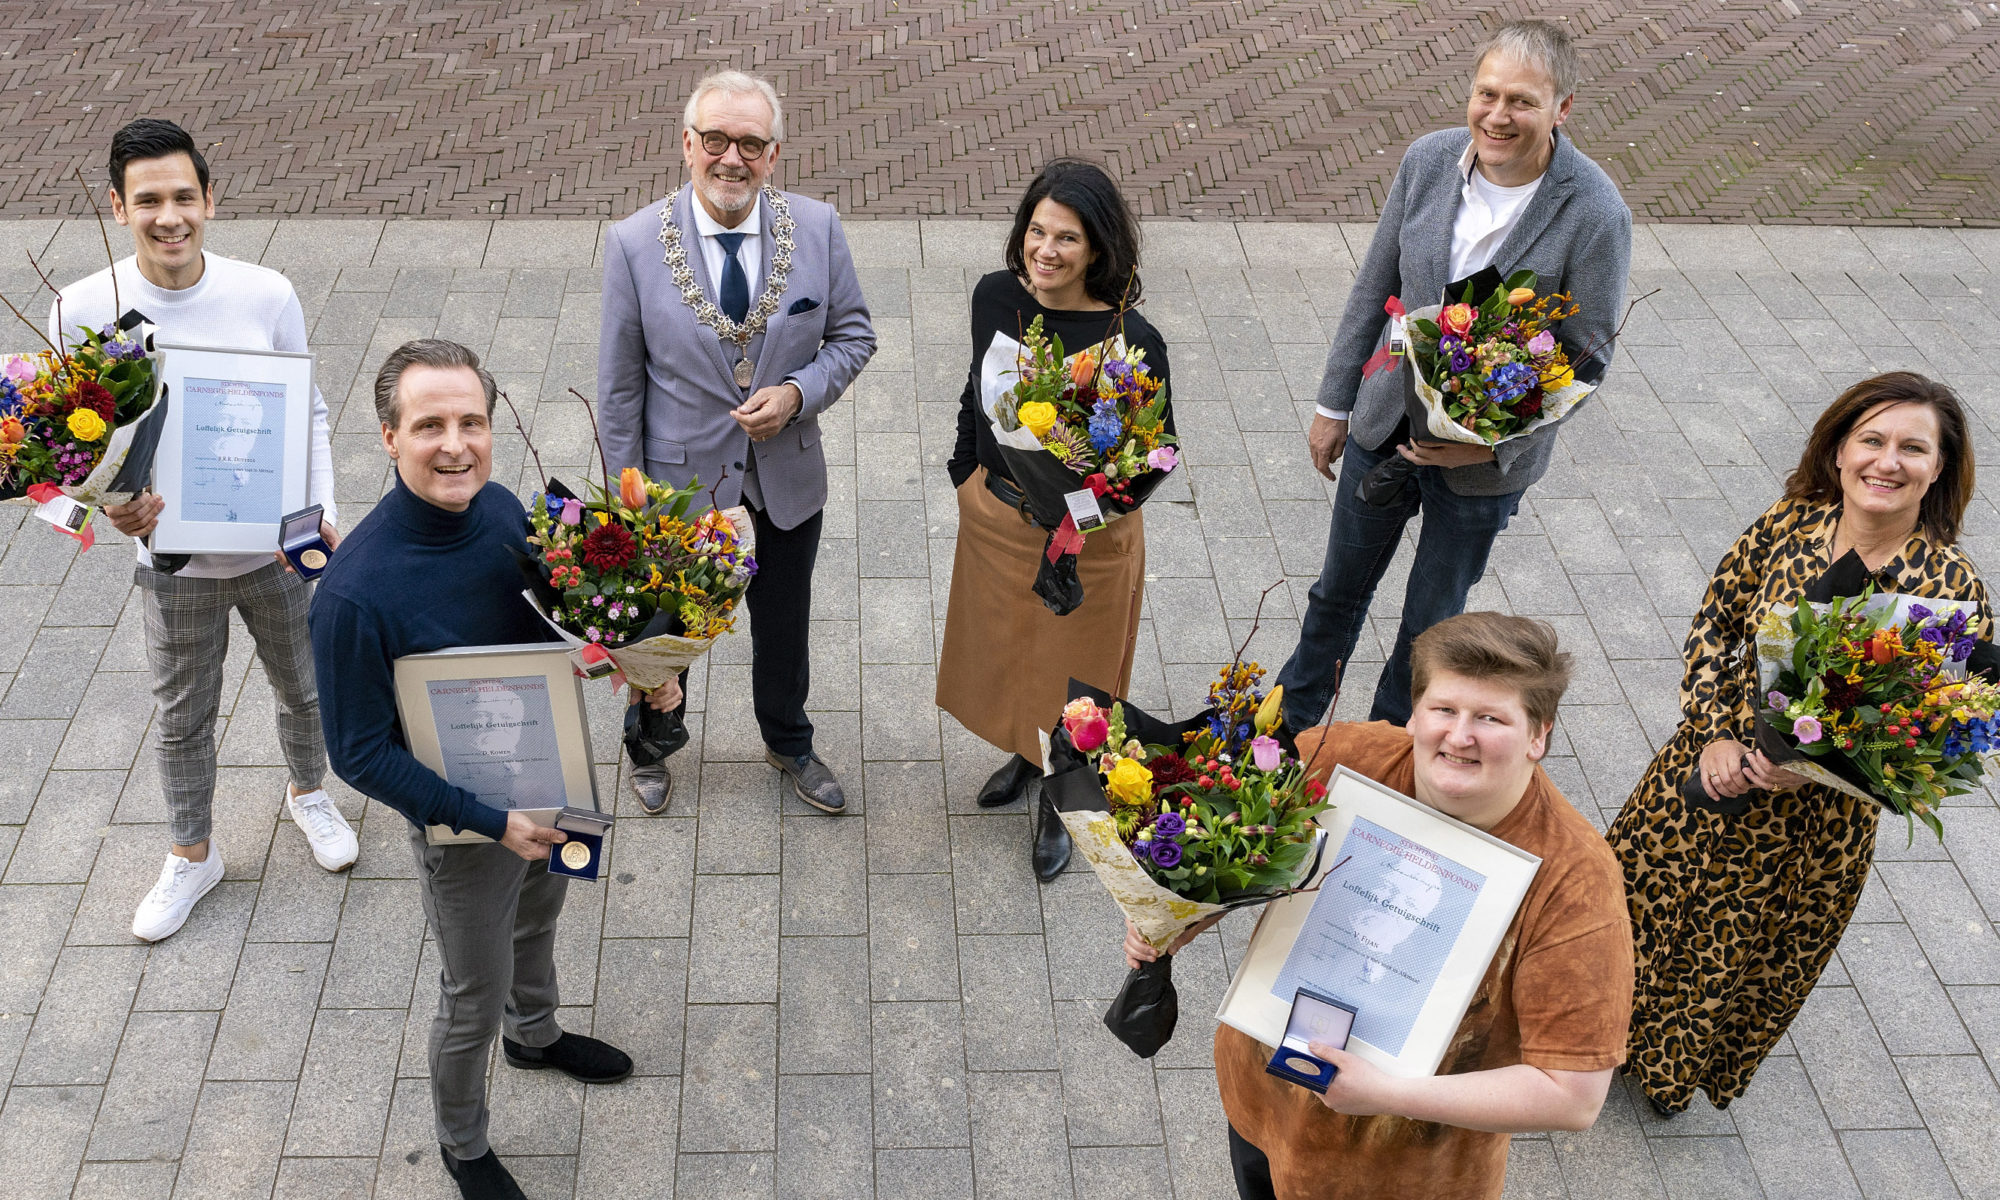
(1485, 370)
(1182, 822)
(1870, 695)
(631, 580)
(1092, 422)
(81, 421)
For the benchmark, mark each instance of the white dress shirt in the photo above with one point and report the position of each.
(749, 252)
(1487, 213)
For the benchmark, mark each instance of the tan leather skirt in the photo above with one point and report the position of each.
(1007, 660)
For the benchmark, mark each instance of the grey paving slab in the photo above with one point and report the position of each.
(890, 995)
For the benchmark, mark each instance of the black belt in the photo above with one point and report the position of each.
(1009, 494)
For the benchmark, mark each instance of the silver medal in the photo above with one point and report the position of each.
(744, 372)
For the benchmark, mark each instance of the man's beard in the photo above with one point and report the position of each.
(711, 190)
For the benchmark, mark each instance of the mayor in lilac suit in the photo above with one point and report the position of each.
(732, 319)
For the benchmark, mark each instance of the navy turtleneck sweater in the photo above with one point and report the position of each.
(410, 579)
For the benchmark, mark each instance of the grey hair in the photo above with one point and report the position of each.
(424, 352)
(1543, 43)
(738, 83)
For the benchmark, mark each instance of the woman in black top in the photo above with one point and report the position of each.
(1007, 660)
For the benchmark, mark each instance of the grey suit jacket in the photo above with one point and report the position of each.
(1575, 234)
(664, 382)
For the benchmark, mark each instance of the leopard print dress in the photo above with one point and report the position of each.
(1734, 917)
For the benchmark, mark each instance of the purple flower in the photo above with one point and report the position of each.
(1776, 700)
(1167, 854)
(1168, 824)
(1920, 613)
(1807, 730)
(1460, 361)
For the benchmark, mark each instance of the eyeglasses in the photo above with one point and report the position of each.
(717, 144)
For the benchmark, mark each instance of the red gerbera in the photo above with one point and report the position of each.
(609, 547)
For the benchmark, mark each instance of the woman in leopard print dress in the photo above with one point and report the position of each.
(1734, 917)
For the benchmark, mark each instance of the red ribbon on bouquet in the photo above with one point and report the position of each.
(1384, 359)
(42, 493)
(1065, 539)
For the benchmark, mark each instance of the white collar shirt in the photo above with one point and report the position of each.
(749, 252)
(1487, 213)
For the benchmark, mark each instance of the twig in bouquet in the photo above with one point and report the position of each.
(49, 284)
(714, 501)
(602, 462)
(23, 318)
(1326, 719)
(117, 304)
(1124, 306)
(1596, 347)
(1255, 618)
(524, 437)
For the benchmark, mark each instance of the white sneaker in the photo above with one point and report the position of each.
(165, 909)
(334, 845)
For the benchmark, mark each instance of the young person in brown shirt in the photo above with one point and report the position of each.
(1546, 1030)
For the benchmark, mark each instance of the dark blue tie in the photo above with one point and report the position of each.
(735, 284)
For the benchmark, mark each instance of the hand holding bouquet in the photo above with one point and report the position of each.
(1095, 420)
(630, 578)
(69, 418)
(1870, 695)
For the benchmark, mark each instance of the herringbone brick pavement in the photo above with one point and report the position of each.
(1855, 111)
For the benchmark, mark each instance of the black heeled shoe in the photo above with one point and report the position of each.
(1007, 783)
(1052, 841)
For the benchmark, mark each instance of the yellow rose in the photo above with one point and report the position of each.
(1557, 376)
(86, 425)
(1130, 782)
(1038, 416)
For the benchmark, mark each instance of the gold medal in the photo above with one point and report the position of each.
(313, 559)
(575, 855)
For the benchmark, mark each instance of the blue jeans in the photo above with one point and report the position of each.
(1452, 549)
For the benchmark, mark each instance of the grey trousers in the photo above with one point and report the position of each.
(187, 639)
(494, 914)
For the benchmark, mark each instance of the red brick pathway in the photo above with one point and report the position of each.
(1858, 111)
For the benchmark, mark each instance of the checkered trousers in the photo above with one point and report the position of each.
(187, 639)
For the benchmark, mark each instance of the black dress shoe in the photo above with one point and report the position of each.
(654, 786)
(581, 1058)
(1008, 782)
(1052, 842)
(482, 1178)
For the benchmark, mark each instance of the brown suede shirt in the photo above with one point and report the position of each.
(1558, 995)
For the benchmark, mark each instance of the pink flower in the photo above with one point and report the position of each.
(1265, 752)
(572, 512)
(1163, 459)
(1807, 730)
(19, 368)
(1456, 319)
(1089, 726)
(1542, 343)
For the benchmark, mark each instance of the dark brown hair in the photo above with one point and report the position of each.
(1082, 187)
(1518, 651)
(1818, 478)
(424, 352)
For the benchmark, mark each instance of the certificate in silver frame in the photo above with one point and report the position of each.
(236, 450)
(1403, 932)
(505, 723)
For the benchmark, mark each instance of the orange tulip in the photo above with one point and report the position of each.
(1082, 368)
(1883, 646)
(632, 488)
(12, 431)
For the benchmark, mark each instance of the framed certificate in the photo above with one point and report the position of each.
(235, 449)
(505, 723)
(1410, 909)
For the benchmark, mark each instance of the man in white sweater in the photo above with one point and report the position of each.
(160, 192)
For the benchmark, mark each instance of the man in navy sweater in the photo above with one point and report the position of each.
(431, 568)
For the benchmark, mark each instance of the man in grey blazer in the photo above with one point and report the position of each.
(1510, 192)
(732, 319)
